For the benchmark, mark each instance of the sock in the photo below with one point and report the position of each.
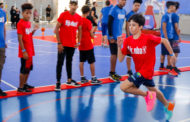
(112, 73)
(161, 65)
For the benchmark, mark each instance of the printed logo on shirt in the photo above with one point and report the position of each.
(71, 23)
(2, 19)
(121, 16)
(28, 31)
(137, 50)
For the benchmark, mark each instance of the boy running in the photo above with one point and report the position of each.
(142, 49)
(2, 42)
(26, 46)
(86, 47)
(68, 23)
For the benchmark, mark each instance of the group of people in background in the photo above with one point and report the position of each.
(137, 46)
(15, 17)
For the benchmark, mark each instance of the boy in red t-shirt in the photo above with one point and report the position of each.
(68, 23)
(142, 49)
(26, 47)
(86, 47)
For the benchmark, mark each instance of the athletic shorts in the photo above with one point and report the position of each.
(138, 80)
(175, 46)
(87, 55)
(164, 51)
(104, 29)
(26, 65)
(113, 48)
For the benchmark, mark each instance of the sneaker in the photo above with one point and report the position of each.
(169, 68)
(162, 69)
(95, 81)
(173, 72)
(150, 100)
(114, 77)
(84, 80)
(72, 83)
(58, 87)
(169, 110)
(2, 93)
(130, 72)
(177, 70)
(23, 90)
(28, 86)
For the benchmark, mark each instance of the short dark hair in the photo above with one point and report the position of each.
(1, 3)
(74, 2)
(107, 2)
(170, 3)
(177, 4)
(94, 3)
(85, 9)
(137, 1)
(26, 6)
(138, 18)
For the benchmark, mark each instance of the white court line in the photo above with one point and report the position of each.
(186, 120)
(8, 84)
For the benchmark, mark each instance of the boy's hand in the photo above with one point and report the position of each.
(60, 48)
(77, 45)
(25, 55)
(36, 27)
(173, 60)
(112, 41)
(119, 41)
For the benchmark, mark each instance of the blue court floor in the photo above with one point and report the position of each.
(101, 103)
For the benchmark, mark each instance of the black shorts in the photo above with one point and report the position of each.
(175, 46)
(164, 51)
(26, 65)
(87, 55)
(138, 80)
(113, 48)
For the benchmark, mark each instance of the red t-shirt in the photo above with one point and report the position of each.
(86, 43)
(68, 29)
(24, 28)
(142, 51)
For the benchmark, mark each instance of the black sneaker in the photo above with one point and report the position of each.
(114, 77)
(73, 83)
(58, 87)
(23, 90)
(28, 86)
(130, 72)
(84, 80)
(177, 70)
(118, 76)
(169, 67)
(95, 81)
(2, 93)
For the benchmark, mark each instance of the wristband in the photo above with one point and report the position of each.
(78, 43)
(24, 50)
(172, 54)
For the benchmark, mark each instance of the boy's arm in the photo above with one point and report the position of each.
(79, 35)
(176, 26)
(119, 53)
(166, 43)
(25, 54)
(5, 33)
(164, 30)
(60, 46)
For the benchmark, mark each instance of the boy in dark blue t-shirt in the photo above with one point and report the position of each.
(167, 32)
(115, 25)
(104, 21)
(177, 39)
(2, 42)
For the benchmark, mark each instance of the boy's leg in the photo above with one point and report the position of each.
(81, 66)
(159, 95)
(162, 58)
(129, 87)
(92, 69)
(60, 61)
(128, 61)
